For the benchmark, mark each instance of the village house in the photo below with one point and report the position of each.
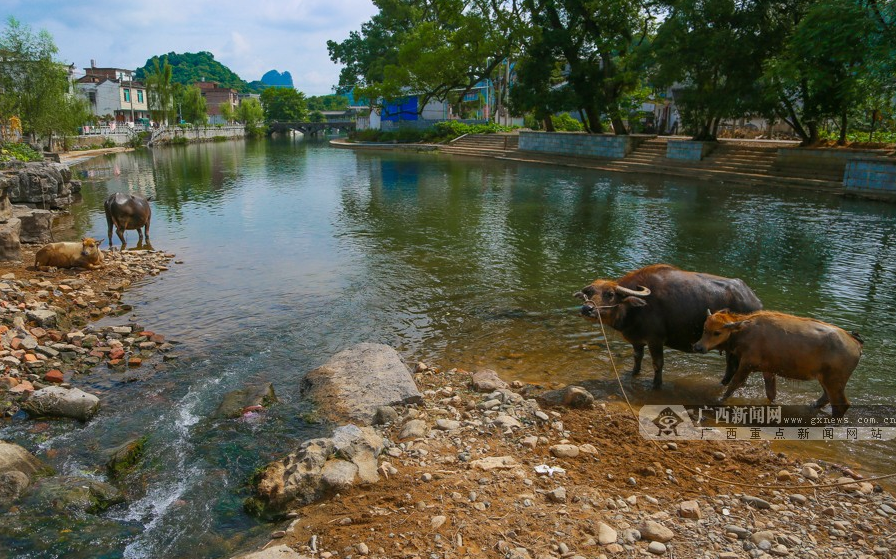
(215, 96)
(113, 94)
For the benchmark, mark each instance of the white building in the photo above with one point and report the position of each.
(114, 95)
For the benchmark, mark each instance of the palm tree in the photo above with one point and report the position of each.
(160, 90)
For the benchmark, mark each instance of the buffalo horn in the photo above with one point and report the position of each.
(580, 295)
(708, 312)
(626, 291)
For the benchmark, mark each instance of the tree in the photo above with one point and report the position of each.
(595, 41)
(193, 108)
(436, 49)
(35, 86)
(251, 114)
(818, 71)
(283, 104)
(711, 51)
(189, 68)
(317, 116)
(327, 103)
(160, 91)
(228, 112)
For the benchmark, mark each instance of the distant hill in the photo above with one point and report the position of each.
(275, 78)
(189, 68)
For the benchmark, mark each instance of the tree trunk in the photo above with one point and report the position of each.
(548, 124)
(843, 119)
(584, 119)
(618, 126)
(594, 125)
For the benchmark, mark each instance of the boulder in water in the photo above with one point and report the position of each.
(56, 401)
(353, 384)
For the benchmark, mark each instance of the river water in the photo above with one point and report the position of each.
(293, 250)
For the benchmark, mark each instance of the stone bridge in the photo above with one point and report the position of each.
(313, 128)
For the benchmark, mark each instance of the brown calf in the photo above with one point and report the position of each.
(785, 345)
(86, 254)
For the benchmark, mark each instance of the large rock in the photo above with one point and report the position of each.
(74, 495)
(354, 383)
(236, 401)
(125, 456)
(10, 243)
(571, 397)
(37, 225)
(44, 185)
(18, 468)
(56, 401)
(274, 552)
(318, 468)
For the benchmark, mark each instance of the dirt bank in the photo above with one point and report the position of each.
(466, 485)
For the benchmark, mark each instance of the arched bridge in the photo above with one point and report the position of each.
(313, 128)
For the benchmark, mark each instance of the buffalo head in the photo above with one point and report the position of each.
(717, 329)
(610, 300)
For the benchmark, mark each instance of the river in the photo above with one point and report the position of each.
(293, 250)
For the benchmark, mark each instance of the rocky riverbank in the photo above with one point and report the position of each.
(46, 334)
(482, 469)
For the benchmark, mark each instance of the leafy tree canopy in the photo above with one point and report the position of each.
(284, 104)
(327, 103)
(189, 68)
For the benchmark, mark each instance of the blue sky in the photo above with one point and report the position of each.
(249, 37)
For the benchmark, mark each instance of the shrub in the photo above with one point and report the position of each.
(565, 123)
(22, 152)
(219, 138)
(108, 143)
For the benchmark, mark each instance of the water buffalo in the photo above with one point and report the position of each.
(127, 211)
(661, 305)
(86, 254)
(790, 346)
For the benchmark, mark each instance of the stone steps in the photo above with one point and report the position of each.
(742, 164)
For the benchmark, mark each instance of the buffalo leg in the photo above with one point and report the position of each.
(731, 363)
(823, 400)
(837, 393)
(656, 355)
(120, 232)
(771, 386)
(639, 356)
(743, 372)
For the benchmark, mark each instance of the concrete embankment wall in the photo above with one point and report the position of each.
(161, 135)
(580, 145)
(874, 176)
(198, 134)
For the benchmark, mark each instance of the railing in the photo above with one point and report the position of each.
(117, 128)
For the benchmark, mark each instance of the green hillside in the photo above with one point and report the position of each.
(189, 68)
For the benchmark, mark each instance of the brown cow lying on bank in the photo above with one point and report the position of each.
(790, 346)
(86, 254)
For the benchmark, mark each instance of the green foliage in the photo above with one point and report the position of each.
(317, 116)
(35, 85)
(138, 140)
(193, 106)
(327, 103)
(189, 68)
(108, 143)
(251, 114)
(178, 141)
(220, 138)
(436, 48)
(19, 151)
(566, 123)
(283, 104)
(440, 132)
(160, 90)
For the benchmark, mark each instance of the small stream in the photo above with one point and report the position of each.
(294, 250)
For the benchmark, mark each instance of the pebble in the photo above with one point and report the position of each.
(657, 548)
(605, 534)
(557, 495)
(362, 548)
(689, 509)
(656, 532)
(437, 521)
(798, 499)
(565, 450)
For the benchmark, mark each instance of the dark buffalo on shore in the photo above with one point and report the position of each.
(125, 212)
(790, 346)
(661, 305)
